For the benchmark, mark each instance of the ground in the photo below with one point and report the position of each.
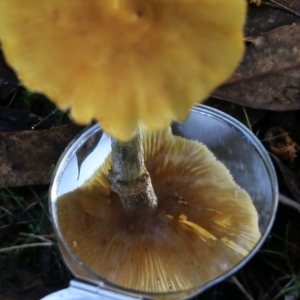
(30, 262)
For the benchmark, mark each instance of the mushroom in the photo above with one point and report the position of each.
(205, 224)
(126, 62)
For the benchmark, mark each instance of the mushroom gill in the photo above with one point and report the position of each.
(205, 224)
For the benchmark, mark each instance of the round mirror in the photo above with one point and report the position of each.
(229, 141)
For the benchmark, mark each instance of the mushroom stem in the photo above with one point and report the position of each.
(129, 177)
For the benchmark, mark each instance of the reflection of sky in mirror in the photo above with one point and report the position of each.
(70, 181)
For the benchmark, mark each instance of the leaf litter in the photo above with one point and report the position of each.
(267, 80)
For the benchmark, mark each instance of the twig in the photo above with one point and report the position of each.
(26, 246)
(38, 200)
(287, 201)
(31, 205)
(39, 237)
(241, 287)
(275, 4)
(37, 124)
(289, 283)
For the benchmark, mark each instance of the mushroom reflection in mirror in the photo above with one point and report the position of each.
(205, 224)
(123, 62)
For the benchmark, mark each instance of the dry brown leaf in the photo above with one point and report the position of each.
(29, 157)
(270, 16)
(269, 75)
(281, 144)
(290, 178)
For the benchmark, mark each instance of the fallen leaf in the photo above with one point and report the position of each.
(291, 179)
(269, 16)
(29, 157)
(281, 144)
(269, 75)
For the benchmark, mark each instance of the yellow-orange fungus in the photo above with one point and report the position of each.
(200, 230)
(123, 62)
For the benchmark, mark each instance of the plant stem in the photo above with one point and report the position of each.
(129, 177)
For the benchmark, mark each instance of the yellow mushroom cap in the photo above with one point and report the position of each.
(205, 223)
(123, 62)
